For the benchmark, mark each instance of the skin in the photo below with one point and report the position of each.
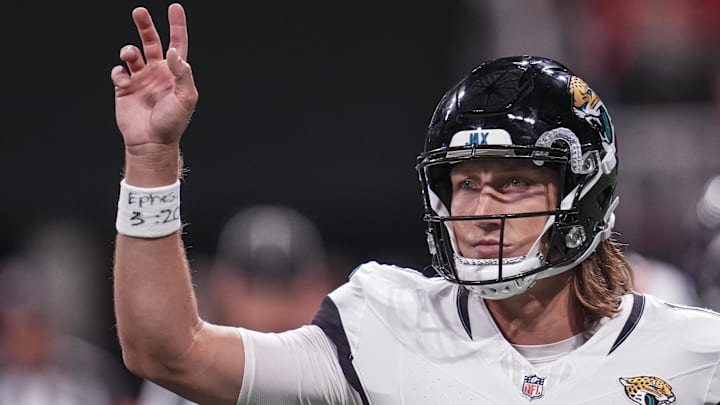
(487, 187)
(161, 334)
(547, 312)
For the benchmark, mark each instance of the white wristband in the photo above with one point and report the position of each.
(148, 212)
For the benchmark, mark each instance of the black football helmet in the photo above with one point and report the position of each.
(522, 107)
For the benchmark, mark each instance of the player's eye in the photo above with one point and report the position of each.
(516, 184)
(466, 184)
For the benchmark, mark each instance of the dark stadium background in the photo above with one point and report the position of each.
(320, 105)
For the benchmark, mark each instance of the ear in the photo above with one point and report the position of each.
(624, 382)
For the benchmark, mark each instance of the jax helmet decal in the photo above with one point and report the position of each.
(521, 107)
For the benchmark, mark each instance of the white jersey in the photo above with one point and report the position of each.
(402, 338)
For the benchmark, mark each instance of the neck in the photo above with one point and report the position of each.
(547, 313)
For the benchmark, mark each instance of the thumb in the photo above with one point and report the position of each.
(184, 83)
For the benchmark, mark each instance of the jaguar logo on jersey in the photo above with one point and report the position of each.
(588, 106)
(648, 390)
(533, 386)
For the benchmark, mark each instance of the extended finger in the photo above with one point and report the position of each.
(178, 30)
(130, 54)
(148, 35)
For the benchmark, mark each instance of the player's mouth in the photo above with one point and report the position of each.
(490, 249)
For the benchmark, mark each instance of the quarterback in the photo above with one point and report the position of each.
(532, 303)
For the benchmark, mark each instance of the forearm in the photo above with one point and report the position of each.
(154, 302)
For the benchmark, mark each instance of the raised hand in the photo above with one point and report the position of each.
(155, 95)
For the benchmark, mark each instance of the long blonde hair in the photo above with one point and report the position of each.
(601, 280)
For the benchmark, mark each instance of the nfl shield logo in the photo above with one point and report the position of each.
(533, 386)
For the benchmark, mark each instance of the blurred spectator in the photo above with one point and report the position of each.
(269, 274)
(705, 258)
(39, 364)
(72, 263)
(708, 207)
(710, 292)
(646, 51)
(663, 280)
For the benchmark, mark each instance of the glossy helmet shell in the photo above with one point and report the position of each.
(533, 108)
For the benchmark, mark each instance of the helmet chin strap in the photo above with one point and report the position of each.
(504, 289)
(486, 262)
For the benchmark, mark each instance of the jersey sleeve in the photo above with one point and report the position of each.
(294, 367)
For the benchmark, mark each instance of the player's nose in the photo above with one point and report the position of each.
(488, 206)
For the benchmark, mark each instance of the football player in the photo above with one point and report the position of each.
(533, 300)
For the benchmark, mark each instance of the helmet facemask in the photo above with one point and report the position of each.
(566, 237)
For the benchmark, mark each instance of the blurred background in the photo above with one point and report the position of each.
(321, 107)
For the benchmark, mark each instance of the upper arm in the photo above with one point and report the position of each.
(297, 366)
(211, 371)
